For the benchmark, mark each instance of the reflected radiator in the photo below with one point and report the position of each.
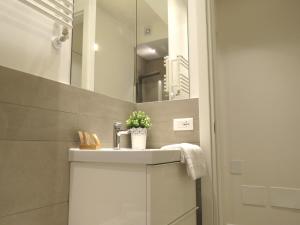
(177, 78)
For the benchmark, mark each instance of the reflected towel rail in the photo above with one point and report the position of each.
(177, 78)
(183, 61)
(61, 11)
(65, 5)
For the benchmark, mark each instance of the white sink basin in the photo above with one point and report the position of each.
(124, 155)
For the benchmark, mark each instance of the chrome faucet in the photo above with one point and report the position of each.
(117, 133)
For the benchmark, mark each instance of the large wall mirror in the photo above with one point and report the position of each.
(134, 50)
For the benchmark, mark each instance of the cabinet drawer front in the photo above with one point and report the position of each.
(170, 193)
(107, 194)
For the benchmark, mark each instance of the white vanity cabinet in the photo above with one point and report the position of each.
(170, 193)
(137, 192)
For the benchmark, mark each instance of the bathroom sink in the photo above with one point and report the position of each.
(125, 155)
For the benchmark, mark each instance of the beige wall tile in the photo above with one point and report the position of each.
(39, 122)
(32, 174)
(162, 115)
(103, 127)
(162, 111)
(162, 132)
(51, 215)
(27, 123)
(94, 104)
(24, 89)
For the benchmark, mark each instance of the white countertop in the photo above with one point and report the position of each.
(131, 156)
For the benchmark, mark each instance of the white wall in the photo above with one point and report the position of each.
(160, 8)
(26, 45)
(178, 28)
(200, 72)
(152, 15)
(76, 69)
(114, 62)
(88, 9)
(258, 110)
(159, 30)
(178, 42)
(197, 35)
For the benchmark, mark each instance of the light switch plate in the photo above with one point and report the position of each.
(237, 167)
(183, 124)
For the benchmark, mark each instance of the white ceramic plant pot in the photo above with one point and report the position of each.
(138, 138)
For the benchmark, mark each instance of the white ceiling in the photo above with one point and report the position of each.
(160, 47)
(123, 10)
(149, 11)
(160, 7)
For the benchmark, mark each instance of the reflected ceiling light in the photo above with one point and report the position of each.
(146, 51)
(96, 47)
(152, 51)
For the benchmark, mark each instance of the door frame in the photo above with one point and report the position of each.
(202, 64)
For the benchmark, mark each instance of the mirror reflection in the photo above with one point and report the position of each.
(115, 48)
(103, 48)
(133, 50)
(77, 41)
(162, 50)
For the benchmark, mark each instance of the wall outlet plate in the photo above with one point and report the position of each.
(183, 124)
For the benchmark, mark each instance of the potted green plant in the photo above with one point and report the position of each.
(138, 123)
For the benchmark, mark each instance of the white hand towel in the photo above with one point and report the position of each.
(194, 158)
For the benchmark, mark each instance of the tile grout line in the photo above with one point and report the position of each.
(33, 209)
(57, 110)
(49, 141)
(39, 140)
(37, 107)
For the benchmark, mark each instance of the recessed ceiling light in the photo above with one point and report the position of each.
(152, 51)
